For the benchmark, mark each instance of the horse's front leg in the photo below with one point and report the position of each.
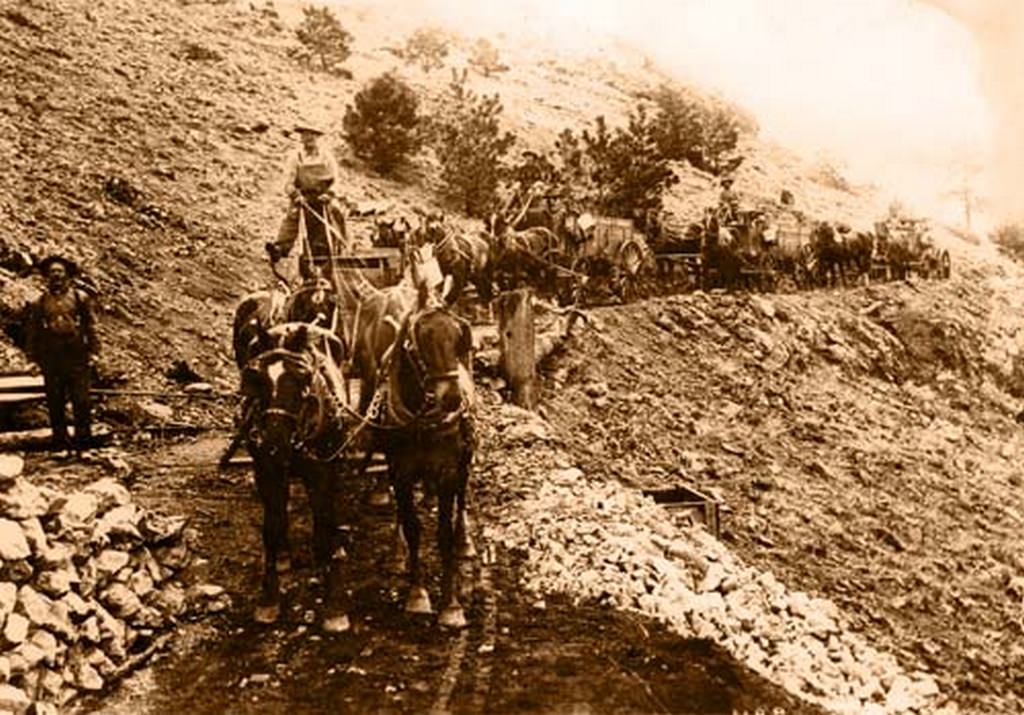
(418, 600)
(452, 615)
(272, 485)
(320, 483)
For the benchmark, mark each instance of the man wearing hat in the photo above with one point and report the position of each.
(310, 178)
(729, 201)
(61, 339)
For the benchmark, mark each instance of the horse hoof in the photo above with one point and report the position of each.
(380, 498)
(337, 624)
(452, 617)
(418, 601)
(283, 564)
(267, 614)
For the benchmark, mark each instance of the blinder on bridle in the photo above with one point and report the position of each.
(427, 375)
(255, 379)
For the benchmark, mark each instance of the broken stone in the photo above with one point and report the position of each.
(109, 493)
(30, 653)
(87, 678)
(35, 536)
(171, 600)
(110, 561)
(50, 684)
(54, 583)
(158, 528)
(11, 467)
(23, 500)
(8, 598)
(16, 628)
(13, 699)
(120, 523)
(76, 510)
(13, 544)
(121, 601)
(156, 410)
(90, 630)
(140, 582)
(172, 557)
(44, 612)
(17, 571)
(77, 606)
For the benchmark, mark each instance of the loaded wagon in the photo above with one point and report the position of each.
(613, 257)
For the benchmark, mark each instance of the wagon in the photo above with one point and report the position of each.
(613, 257)
(906, 248)
(380, 266)
(678, 254)
(791, 250)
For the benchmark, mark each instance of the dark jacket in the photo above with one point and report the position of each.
(61, 328)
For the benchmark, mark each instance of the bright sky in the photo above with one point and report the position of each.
(889, 87)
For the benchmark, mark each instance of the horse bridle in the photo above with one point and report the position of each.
(411, 348)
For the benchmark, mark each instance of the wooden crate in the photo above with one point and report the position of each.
(689, 506)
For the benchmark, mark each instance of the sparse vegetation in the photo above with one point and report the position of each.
(688, 129)
(485, 58)
(428, 47)
(1010, 240)
(382, 126)
(620, 171)
(325, 39)
(471, 146)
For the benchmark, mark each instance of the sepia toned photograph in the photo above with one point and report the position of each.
(540, 357)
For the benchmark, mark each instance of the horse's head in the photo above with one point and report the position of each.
(438, 346)
(279, 381)
(314, 303)
(283, 383)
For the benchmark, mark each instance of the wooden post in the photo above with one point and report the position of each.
(515, 340)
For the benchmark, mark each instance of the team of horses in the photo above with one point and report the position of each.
(297, 352)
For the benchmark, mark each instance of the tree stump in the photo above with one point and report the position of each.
(515, 340)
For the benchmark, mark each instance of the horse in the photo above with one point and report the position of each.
(536, 253)
(428, 437)
(829, 255)
(393, 233)
(296, 428)
(255, 314)
(467, 256)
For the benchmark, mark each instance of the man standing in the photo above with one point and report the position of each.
(61, 339)
(310, 177)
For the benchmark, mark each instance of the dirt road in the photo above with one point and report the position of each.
(517, 656)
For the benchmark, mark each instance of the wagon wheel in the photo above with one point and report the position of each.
(582, 281)
(563, 281)
(945, 268)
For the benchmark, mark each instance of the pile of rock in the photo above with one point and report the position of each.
(600, 541)
(87, 582)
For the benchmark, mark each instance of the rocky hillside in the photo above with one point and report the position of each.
(865, 442)
(146, 139)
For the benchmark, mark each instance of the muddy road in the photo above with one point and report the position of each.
(518, 655)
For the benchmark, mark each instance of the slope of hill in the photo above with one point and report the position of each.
(864, 439)
(190, 105)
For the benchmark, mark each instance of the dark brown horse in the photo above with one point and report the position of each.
(428, 437)
(532, 255)
(467, 256)
(296, 429)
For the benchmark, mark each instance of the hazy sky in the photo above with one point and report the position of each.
(891, 87)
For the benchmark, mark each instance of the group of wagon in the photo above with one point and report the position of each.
(576, 256)
(756, 251)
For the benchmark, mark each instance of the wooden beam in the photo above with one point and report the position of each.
(516, 345)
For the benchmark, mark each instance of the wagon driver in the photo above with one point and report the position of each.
(311, 176)
(729, 201)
